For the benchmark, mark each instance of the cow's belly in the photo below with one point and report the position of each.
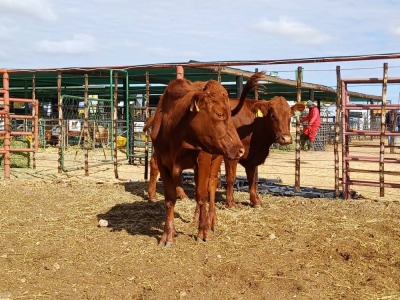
(185, 159)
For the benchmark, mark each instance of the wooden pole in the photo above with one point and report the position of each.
(179, 72)
(256, 89)
(256, 171)
(345, 140)
(298, 100)
(61, 130)
(383, 130)
(114, 124)
(239, 85)
(86, 124)
(337, 129)
(146, 144)
(34, 137)
(36, 119)
(7, 126)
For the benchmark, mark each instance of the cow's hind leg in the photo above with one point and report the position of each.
(151, 192)
(230, 175)
(168, 236)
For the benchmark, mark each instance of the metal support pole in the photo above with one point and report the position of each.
(86, 125)
(61, 128)
(146, 144)
(345, 141)
(7, 126)
(298, 132)
(255, 88)
(34, 137)
(337, 129)
(114, 124)
(383, 130)
(179, 72)
(239, 85)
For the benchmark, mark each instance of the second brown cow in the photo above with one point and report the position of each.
(259, 125)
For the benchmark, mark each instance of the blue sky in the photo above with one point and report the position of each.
(72, 33)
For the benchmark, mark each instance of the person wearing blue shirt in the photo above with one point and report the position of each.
(392, 124)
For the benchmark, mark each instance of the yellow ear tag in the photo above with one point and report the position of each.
(259, 114)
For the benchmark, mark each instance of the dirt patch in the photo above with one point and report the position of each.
(53, 248)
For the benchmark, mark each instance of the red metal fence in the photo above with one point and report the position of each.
(7, 132)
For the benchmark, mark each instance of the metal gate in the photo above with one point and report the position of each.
(89, 131)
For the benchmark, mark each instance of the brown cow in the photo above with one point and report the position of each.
(191, 123)
(259, 125)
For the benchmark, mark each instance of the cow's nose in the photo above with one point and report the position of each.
(241, 152)
(285, 139)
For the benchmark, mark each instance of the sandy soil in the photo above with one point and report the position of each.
(293, 248)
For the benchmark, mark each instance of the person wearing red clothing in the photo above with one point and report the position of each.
(314, 122)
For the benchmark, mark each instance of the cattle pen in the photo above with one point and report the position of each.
(76, 222)
(92, 118)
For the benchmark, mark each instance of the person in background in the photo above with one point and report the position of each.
(392, 122)
(314, 122)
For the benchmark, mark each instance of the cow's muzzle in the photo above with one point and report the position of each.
(235, 153)
(285, 139)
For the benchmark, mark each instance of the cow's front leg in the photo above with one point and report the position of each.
(252, 180)
(202, 170)
(168, 237)
(230, 175)
(212, 187)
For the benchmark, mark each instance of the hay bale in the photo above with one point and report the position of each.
(18, 159)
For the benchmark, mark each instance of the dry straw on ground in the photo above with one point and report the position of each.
(52, 246)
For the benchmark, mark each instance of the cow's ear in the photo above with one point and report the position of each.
(297, 107)
(260, 108)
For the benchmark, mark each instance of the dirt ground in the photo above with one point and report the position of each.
(52, 246)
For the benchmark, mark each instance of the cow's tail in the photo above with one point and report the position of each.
(251, 83)
(148, 124)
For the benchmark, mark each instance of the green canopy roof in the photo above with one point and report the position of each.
(100, 82)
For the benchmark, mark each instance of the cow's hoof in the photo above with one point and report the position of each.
(201, 240)
(152, 199)
(165, 244)
(231, 205)
(183, 197)
(169, 244)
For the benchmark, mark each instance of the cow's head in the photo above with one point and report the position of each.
(276, 115)
(211, 121)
